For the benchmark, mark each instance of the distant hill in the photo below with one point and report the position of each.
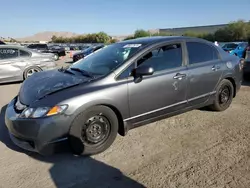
(46, 36)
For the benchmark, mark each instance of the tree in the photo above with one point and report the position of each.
(53, 38)
(141, 33)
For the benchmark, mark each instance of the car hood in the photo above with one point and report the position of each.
(44, 83)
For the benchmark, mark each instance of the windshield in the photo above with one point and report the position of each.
(107, 59)
(230, 45)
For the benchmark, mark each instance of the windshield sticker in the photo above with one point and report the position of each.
(132, 46)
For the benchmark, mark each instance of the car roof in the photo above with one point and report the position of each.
(11, 46)
(155, 39)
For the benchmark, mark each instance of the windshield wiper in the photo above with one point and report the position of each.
(62, 69)
(85, 73)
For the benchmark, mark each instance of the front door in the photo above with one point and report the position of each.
(204, 72)
(165, 90)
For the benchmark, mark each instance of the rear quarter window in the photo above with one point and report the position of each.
(8, 53)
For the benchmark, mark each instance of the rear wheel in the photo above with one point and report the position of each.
(93, 130)
(30, 71)
(224, 96)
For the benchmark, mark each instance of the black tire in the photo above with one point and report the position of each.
(79, 141)
(27, 74)
(222, 102)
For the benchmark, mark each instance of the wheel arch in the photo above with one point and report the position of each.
(122, 130)
(231, 79)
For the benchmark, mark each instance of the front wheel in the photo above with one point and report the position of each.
(224, 96)
(93, 130)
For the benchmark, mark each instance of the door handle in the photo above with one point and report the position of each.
(179, 76)
(215, 68)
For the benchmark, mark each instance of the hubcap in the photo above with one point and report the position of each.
(224, 95)
(31, 71)
(96, 130)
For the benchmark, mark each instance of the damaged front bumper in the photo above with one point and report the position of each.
(46, 135)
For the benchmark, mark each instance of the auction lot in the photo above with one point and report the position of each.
(196, 149)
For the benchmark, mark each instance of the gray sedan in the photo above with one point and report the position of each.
(118, 88)
(18, 63)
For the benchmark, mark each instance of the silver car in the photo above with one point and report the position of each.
(18, 63)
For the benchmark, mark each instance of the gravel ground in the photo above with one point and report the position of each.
(195, 149)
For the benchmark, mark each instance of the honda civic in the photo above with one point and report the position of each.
(123, 86)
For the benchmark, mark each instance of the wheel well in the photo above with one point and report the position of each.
(234, 85)
(121, 129)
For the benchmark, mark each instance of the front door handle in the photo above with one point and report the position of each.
(179, 76)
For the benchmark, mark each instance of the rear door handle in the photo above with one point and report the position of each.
(179, 76)
(215, 67)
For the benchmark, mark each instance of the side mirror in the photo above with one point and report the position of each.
(141, 71)
(144, 70)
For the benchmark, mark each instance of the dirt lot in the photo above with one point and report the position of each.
(195, 149)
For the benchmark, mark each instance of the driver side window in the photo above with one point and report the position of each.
(163, 58)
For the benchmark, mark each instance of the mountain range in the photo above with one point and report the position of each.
(47, 35)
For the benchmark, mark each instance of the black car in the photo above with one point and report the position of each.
(1, 42)
(123, 86)
(57, 50)
(79, 55)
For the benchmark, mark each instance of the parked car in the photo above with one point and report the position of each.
(228, 47)
(85, 52)
(118, 88)
(239, 50)
(18, 63)
(56, 50)
(1, 42)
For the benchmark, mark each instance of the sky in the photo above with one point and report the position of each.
(21, 18)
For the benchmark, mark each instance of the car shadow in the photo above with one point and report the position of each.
(69, 62)
(73, 171)
(246, 82)
(8, 83)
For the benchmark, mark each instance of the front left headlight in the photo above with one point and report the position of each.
(43, 111)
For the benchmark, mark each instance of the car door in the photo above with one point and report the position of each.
(204, 71)
(7, 69)
(165, 90)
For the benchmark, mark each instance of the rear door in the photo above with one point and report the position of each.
(8, 70)
(204, 71)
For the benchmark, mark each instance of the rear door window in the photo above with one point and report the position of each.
(200, 52)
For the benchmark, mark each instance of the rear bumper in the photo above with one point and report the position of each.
(43, 135)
